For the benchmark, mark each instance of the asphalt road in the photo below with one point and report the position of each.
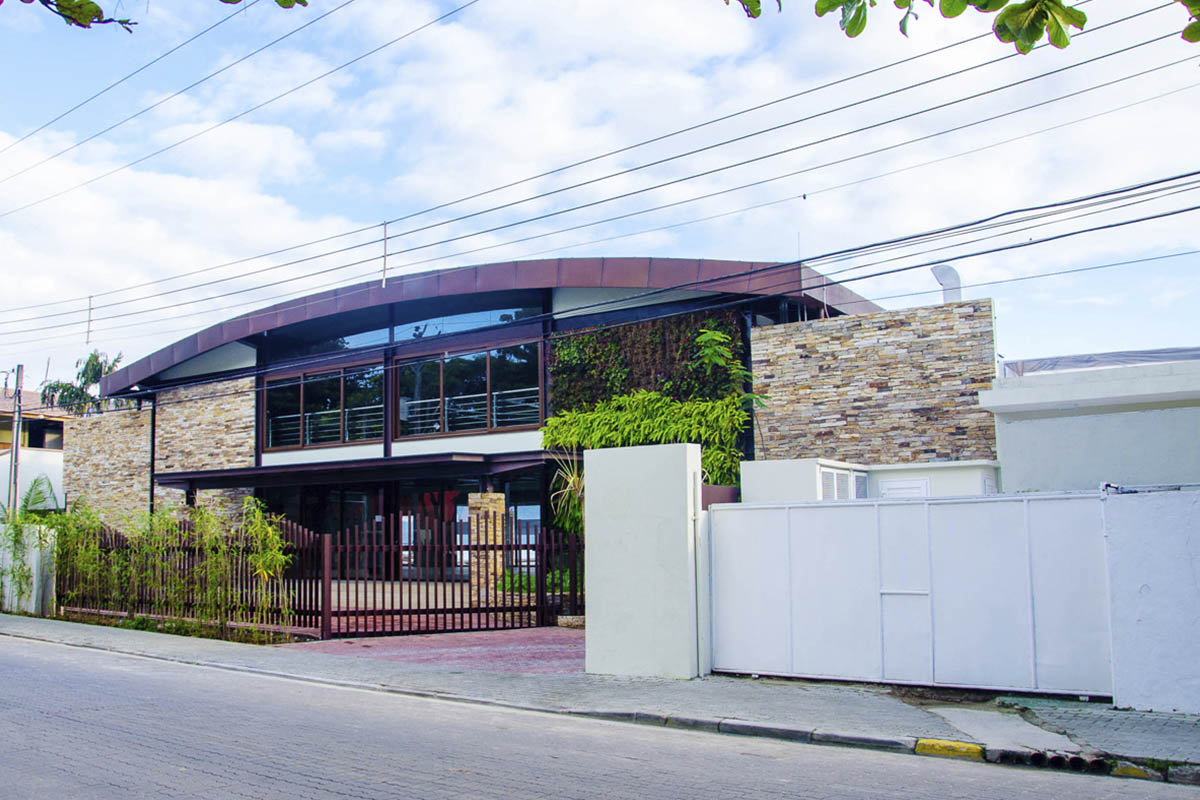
(80, 724)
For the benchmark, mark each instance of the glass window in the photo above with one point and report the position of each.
(419, 398)
(322, 408)
(464, 381)
(515, 396)
(283, 414)
(364, 404)
(458, 323)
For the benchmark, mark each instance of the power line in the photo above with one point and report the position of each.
(825, 282)
(241, 114)
(568, 166)
(175, 94)
(621, 216)
(119, 81)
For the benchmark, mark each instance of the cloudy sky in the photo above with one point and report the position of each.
(502, 91)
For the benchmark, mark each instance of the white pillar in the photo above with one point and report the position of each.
(645, 551)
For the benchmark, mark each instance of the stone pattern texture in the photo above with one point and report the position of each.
(211, 426)
(106, 463)
(106, 457)
(887, 387)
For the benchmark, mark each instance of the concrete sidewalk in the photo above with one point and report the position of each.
(806, 711)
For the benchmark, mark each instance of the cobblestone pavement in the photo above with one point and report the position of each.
(90, 725)
(1138, 734)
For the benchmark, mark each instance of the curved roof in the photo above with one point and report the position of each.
(734, 277)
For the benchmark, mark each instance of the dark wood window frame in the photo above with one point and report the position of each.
(299, 378)
(490, 427)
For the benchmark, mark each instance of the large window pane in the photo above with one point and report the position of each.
(515, 396)
(458, 323)
(465, 382)
(322, 408)
(283, 414)
(419, 398)
(364, 403)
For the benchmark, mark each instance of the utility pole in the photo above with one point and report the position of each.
(15, 453)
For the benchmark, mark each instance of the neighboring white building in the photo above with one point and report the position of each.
(803, 479)
(1079, 422)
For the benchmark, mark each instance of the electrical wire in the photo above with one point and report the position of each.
(825, 282)
(587, 224)
(241, 9)
(577, 163)
(240, 114)
(173, 95)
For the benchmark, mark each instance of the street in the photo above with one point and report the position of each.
(78, 723)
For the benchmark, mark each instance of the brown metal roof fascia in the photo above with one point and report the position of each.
(592, 273)
(322, 472)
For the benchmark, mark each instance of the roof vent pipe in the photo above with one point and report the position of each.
(947, 276)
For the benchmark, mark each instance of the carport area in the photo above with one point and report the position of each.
(536, 651)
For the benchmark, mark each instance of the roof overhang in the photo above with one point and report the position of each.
(751, 278)
(437, 465)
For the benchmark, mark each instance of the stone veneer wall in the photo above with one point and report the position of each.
(106, 458)
(887, 387)
(205, 427)
(106, 463)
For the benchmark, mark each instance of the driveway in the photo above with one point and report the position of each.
(533, 651)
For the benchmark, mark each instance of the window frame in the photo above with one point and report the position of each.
(490, 427)
(301, 377)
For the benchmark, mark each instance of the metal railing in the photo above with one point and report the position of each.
(516, 407)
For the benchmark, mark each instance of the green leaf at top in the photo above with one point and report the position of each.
(1192, 32)
(854, 17)
(825, 6)
(1058, 35)
(952, 8)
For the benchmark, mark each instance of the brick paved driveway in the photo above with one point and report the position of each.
(530, 651)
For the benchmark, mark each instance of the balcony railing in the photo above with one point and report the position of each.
(516, 407)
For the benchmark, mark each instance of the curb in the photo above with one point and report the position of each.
(943, 748)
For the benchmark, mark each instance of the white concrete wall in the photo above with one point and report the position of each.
(32, 463)
(798, 480)
(1129, 425)
(1131, 448)
(642, 518)
(1154, 556)
(37, 554)
(784, 480)
(946, 478)
(504, 442)
(317, 455)
(1005, 593)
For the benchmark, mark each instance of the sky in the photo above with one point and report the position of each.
(217, 182)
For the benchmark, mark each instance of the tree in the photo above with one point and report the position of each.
(1022, 24)
(85, 13)
(78, 397)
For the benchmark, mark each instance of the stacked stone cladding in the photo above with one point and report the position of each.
(106, 464)
(209, 426)
(106, 459)
(888, 387)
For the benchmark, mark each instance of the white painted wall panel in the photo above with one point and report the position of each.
(907, 639)
(1154, 557)
(1070, 597)
(981, 612)
(751, 626)
(999, 592)
(835, 591)
(641, 517)
(903, 548)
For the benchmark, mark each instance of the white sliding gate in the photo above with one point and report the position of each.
(1002, 592)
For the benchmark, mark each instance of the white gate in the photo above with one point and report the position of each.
(1001, 592)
